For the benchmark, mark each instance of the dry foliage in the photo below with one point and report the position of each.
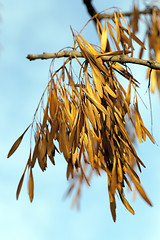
(152, 36)
(154, 46)
(85, 117)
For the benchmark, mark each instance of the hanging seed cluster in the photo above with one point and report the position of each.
(85, 117)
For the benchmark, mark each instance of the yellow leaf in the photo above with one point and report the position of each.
(98, 79)
(117, 28)
(104, 38)
(114, 53)
(128, 94)
(112, 35)
(90, 144)
(97, 116)
(121, 125)
(138, 126)
(158, 56)
(122, 18)
(99, 28)
(89, 112)
(153, 80)
(91, 53)
(92, 49)
(17, 143)
(137, 40)
(109, 90)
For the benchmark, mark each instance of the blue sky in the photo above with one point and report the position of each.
(34, 27)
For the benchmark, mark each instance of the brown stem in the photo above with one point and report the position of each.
(118, 58)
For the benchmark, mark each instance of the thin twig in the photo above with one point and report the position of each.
(126, 14)
(44, 55)
(92, 11)
(119, 58)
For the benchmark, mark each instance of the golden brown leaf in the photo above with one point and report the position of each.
(114, 53)
(138, 126)
(75, 156)
(52, 159)
(50, 148)
(141, 190)
(97, 116)
(97, 104)
(137, 40)
(98, 79)
(114, 177)
(17, 143)
(121, 125)
(89, 112)
(126, 203)
(113, 210)
(109, 90)
(65, 141)
(112, 35)
(53, 104)
(42, 149)
(69, 170)
(90, 144)
(92, 49)
(19, 186)
(35, 153)
(119, 171)
(128, 94)
(112, 206)
(31, 186)
(72, 134)
(22, 178)
(45, 116)
(148, 134)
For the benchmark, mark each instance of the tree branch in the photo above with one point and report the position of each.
(119, 58)
(92, 11)
(126, 14)
(54, 55)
